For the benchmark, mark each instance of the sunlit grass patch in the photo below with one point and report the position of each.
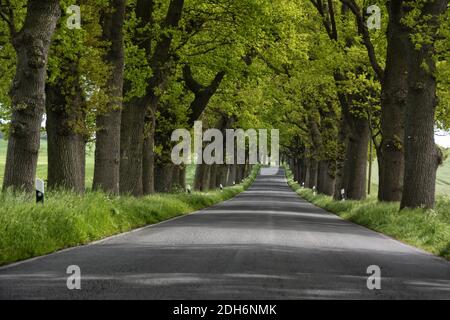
(66, 219)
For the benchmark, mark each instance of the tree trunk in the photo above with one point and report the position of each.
(164, 177)
(148, 160)
(107, 143)
(394, 93)
(422, 157)
(201, 182)
(66, 141)
(182, 177)
(231, 174)
(223, 175)
(133, 115)
(198, 176)
(158, 82)
(326, 177)
(148, 165)
(313, 167)
(340, 182)
(176, 177)
(293, 166)
(28, 93)
(355, 165)
(213, 176)
(303, 171)
(238, 174)
(131, 147)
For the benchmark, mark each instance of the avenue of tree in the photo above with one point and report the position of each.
(138, 69)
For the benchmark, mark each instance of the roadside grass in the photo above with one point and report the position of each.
(425, 229)
(66, 219)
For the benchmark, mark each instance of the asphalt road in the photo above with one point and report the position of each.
(266, 243)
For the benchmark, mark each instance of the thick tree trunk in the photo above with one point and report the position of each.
(326, 177)
(133, 115)
(159, 63)
(213, 176)
(203, 177)
(422, 157)
(340, 182)
(355, 165)
(66, 141)
(246, 169)
(231, 174)
(198, 176)
(148, 165)
(303, 171)
(206, 177)
(182, 177)
(227, 175)
(294, 166)
(239, 173)
(311, 179)
(176, 177)
(148, 160)
(28, 93)
(107, 144)
(131, 147)
(394, 93)
(164, 177)
(223, 175)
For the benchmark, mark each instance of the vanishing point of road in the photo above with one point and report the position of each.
(266, 243)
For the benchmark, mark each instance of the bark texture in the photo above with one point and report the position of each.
(422, 157)
(393, 101)
(326, 177)
(107, 145)
(31, 44)
(66, 133)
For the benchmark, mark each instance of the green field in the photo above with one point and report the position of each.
(42, 164)
(442, 181)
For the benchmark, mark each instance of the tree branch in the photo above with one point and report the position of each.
(202, 93)
(191, 83)
(364, 32)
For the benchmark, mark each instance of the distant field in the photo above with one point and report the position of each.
(42, 164)
(442, 181)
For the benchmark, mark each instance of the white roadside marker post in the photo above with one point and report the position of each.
(40, 191)
(314, 191)
(343, 194)
(221, 187)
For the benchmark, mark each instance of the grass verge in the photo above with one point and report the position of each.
(425, 229)
(66, 219)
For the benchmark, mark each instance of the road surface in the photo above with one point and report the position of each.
(266, 243)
